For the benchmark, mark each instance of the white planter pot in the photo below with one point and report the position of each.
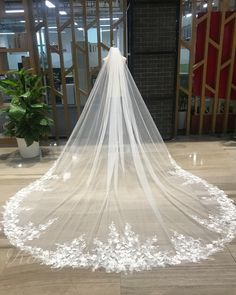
(182, 116)
(28, 151)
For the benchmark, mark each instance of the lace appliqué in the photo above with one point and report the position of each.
(225, 221)
(123, 251)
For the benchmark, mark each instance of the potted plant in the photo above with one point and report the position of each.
(27, 114)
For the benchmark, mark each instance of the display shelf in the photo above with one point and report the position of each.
(7, 141)
(14, 50)
(3, 73)
(11, 15)
(4, 104)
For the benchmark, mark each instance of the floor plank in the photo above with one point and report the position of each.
(214, 160)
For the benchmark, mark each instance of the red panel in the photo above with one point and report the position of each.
(234, 75)
(211, 67)
(197, 81)
(213, 54)
(223, 82)
(227, 41)
(215, 26)
(233, 92)
(200, 41)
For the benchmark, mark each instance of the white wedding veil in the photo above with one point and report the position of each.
(115, 199)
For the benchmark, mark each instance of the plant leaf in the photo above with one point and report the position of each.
(16, 112)
(43, 122)
(37, 106)
(26, 94)
(8, 82)
(29, 139)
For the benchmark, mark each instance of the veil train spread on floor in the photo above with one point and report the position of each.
(115, 199)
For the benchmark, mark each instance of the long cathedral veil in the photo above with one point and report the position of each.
(115, 199)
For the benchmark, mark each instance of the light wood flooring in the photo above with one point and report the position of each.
(214, 160)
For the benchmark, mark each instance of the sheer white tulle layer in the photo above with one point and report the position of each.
(115, 199)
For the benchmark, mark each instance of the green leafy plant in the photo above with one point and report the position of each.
(27, 115)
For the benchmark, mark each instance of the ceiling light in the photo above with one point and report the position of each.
(15, 11)
(205, 5)
(188, 14)
(7, 33)
(76, 24)
(80, 29)
(22, 21)
(105, 31)
(49, 4)
(62, 12)
(104, 25)
(55, 32)
(50, 28)
(107, 18)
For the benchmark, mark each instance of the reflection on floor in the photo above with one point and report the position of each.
(213, 160)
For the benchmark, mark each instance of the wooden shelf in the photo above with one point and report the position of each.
(14, 50)
(4, 72)
(7, 141)
(11, 15)
(3, 105)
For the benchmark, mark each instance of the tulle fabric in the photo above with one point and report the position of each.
(115, 199)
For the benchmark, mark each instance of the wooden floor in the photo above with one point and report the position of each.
(213, 160)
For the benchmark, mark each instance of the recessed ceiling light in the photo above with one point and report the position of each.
(62, 12)
(49, 4)
(7, 33)
(50, 28)
(107, 18)
(55, 32)
(15, 11)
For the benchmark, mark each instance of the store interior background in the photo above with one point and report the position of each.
(65, 42)
(180, 53)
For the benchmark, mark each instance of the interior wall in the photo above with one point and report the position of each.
(153, 35)
(65, 43)
(206, 91)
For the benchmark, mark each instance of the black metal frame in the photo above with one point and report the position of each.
(131, 46)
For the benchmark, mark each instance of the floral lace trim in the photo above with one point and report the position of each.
(224, 222)
(125, 251)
